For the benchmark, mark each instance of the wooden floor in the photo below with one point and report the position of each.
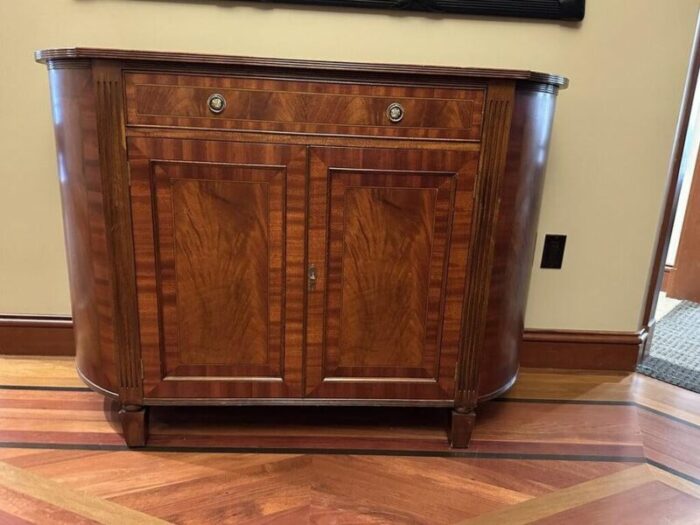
(561, 448)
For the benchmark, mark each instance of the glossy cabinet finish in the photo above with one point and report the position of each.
(218, 237)
(389, 230)
(303, 107)
(260, 231)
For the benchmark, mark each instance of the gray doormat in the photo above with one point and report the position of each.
(674, 356)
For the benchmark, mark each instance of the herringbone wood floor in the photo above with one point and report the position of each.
(562, 447)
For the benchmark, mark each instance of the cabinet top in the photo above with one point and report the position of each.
(48, 56)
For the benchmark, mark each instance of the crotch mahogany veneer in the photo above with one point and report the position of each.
(256, 231)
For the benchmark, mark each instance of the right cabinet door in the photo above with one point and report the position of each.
(388, 243)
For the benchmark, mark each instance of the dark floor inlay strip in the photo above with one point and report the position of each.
(563, 401)
(46, 388)
(335, 451)
(668, 416)
(63, 446)
(673, 471)
(596, 402)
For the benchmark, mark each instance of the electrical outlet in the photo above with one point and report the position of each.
(553, 252)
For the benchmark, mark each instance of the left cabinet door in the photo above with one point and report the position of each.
(219, 253)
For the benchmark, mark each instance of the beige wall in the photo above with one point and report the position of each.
(612, 137)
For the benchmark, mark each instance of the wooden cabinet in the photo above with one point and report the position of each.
(258, 231)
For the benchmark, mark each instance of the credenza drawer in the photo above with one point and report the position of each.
(291, 106)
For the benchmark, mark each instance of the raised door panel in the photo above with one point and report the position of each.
(388, 239)
(219, 257)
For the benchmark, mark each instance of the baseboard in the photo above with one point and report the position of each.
(586, 350)
(36, 335)
(47, 335)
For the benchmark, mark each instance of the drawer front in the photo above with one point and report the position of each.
(291, 106)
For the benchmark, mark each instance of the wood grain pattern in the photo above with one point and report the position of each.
(135, 425)
(651, 503)
(561, 349)
(385, 243)
(307, 140)
(421, 245)
(544, 423)
(491, 168)
(288, 106)
(561, 460)
(672, 443)
(58, 371)
(383, 233)
(85, 225)
(514, 237)
(96, 510)
(114, 172)
(55, 56)
(222, 267)
(581, 350)
(225, 257)
(36, 335)
(220, 238)
(540, 510)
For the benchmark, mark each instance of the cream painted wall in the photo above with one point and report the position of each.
(612, 137)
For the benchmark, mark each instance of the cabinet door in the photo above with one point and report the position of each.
(219, 244)
(388, 246)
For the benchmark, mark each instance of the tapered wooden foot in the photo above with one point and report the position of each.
(134, 421)
(461, 428)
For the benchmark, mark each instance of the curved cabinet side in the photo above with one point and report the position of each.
(520, 197)
(73, 106)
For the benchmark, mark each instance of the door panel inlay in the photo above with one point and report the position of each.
(222, 271)
(222, 266)
(387, 243)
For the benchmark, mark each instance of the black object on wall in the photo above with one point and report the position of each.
(573, 10)
(553, 253)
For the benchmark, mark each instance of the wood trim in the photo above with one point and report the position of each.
(673, 188)
(36, 335)
(667, 278)
(685, 281)
(492, 164)
(567, 349)
(578, 349)
(49, 56)
(114, 172)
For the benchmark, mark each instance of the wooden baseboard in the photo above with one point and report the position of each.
(584, 350)
(36, 335)
(46, 335)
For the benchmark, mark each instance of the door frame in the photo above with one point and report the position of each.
(683, 280)
(672, 190)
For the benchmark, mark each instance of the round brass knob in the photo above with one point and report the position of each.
(216, 103)
(395, 112)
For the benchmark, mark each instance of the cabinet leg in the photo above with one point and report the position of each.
(134, 421)
(461, 428)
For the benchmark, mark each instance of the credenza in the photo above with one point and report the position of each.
(254, 231)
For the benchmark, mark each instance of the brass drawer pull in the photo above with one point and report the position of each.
(216, 103)
(395, 112)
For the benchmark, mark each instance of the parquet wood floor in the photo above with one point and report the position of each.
(560, 448)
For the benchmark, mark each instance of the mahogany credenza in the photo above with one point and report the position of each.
(262, 231)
